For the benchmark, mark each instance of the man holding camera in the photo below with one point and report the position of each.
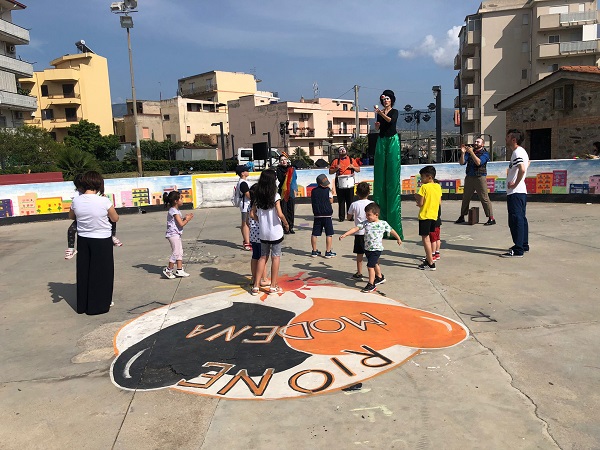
(476, 158)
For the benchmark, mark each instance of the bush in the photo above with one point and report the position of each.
(36, 168)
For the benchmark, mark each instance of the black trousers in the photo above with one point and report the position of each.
(344, 198)
(287, 208)
(95, 275)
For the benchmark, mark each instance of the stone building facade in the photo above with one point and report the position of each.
(559, 114)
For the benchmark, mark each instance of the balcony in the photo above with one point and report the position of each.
(457, 82)
(64, 99)
(457, 102)
(61, 75)
(193, 90)
(17, 102)
(471, 114)
(13, 34)
(471, 65)
(557, 21)
(471, 40)
(457, 62)
(471, 89)
(20, 68)
(63, 122)
(575, 48)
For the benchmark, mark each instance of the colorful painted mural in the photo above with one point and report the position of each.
(210, 190)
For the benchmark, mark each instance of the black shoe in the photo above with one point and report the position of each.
(340, 220)
(510, 254)
(379, 281)
(293, 232)
(490, 222)
(368, 288)
(426, 266)
(461, 219)
(357, 276)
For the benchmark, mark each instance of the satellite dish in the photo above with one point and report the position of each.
(130, 4)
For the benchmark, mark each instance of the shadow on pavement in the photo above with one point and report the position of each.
(64, 291)
(150, 268)
(219, 242)
(224, 276)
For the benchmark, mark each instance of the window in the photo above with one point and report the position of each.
(71, 114)
(524, 47)
(2, 122)
(145, 133)
(311, 148)
(188, 129)
(44, 88)
(552, 67)
(563, 97)
(524, 74)
(166, 117)
(553, 39)
(169, 137)
(252, 127)
(68, 90)
(47, 114)
(525, 19)
(345, 107)
(209, 84)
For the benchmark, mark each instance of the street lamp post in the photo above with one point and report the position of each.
(268, 134)
(125, 7)
(437, 94)
(220, 125)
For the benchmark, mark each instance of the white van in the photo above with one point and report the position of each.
(245, 155)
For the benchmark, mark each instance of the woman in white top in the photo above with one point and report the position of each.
(95, 263)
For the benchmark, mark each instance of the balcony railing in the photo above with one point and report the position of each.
(556, 21)
(17, 102)
(15, 66)
(579, 47)
(457, 61)
(13, 34)
(576, 17)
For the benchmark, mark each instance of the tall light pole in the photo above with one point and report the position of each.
(437, 94)
(220, 125)
(125, 7)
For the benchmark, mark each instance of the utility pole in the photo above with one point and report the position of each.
(356, 110)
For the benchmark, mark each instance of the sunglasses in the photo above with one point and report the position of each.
(383, 97)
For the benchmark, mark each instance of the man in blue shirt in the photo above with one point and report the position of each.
(476, 158)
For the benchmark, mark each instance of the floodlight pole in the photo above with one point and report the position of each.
(437, 93)
(138, 150)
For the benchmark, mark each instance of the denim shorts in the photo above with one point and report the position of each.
(372, 257)
(267, 248)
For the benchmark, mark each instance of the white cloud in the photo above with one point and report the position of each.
(442, 51)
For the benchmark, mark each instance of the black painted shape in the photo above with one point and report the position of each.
(168, 357)
(479, 317)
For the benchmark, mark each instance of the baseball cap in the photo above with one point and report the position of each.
(322, 180)
(240, 169)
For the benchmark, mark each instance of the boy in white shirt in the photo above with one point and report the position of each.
(357, 212)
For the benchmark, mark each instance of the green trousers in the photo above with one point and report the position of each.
(387, 184)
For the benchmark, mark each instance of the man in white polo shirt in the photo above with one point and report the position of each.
(516, 195)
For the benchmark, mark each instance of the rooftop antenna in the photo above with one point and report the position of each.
(316, 90)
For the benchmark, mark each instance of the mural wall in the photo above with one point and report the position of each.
(211, 190)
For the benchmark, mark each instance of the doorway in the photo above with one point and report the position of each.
(540, 144)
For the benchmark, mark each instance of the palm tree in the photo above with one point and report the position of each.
(72, 161)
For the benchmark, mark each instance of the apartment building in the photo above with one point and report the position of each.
(174, 119)
(314, 125)
(510, 44)
(14, 104)
(76, 88)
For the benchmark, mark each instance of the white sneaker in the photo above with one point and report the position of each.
(168, 273)
(181, 273)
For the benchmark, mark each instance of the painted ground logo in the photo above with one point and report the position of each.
(232, 345)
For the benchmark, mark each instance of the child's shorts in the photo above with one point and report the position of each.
(359, 244)
(372, 257)
(321, 223)
(256, 250)
(268, 248)
(426, 226)
(434, 236)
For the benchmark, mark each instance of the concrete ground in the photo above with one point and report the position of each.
(527, 377)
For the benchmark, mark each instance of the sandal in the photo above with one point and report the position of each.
(116, 241)
(255, 291)
(275, 290)
(265, 283)
(70, 252)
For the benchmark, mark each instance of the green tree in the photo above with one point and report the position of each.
(27, 145)
(358, 147)
(152, 149)
(300, 154)
(85, 136)
(72, 161)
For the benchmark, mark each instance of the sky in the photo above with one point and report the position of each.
(407, 46)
